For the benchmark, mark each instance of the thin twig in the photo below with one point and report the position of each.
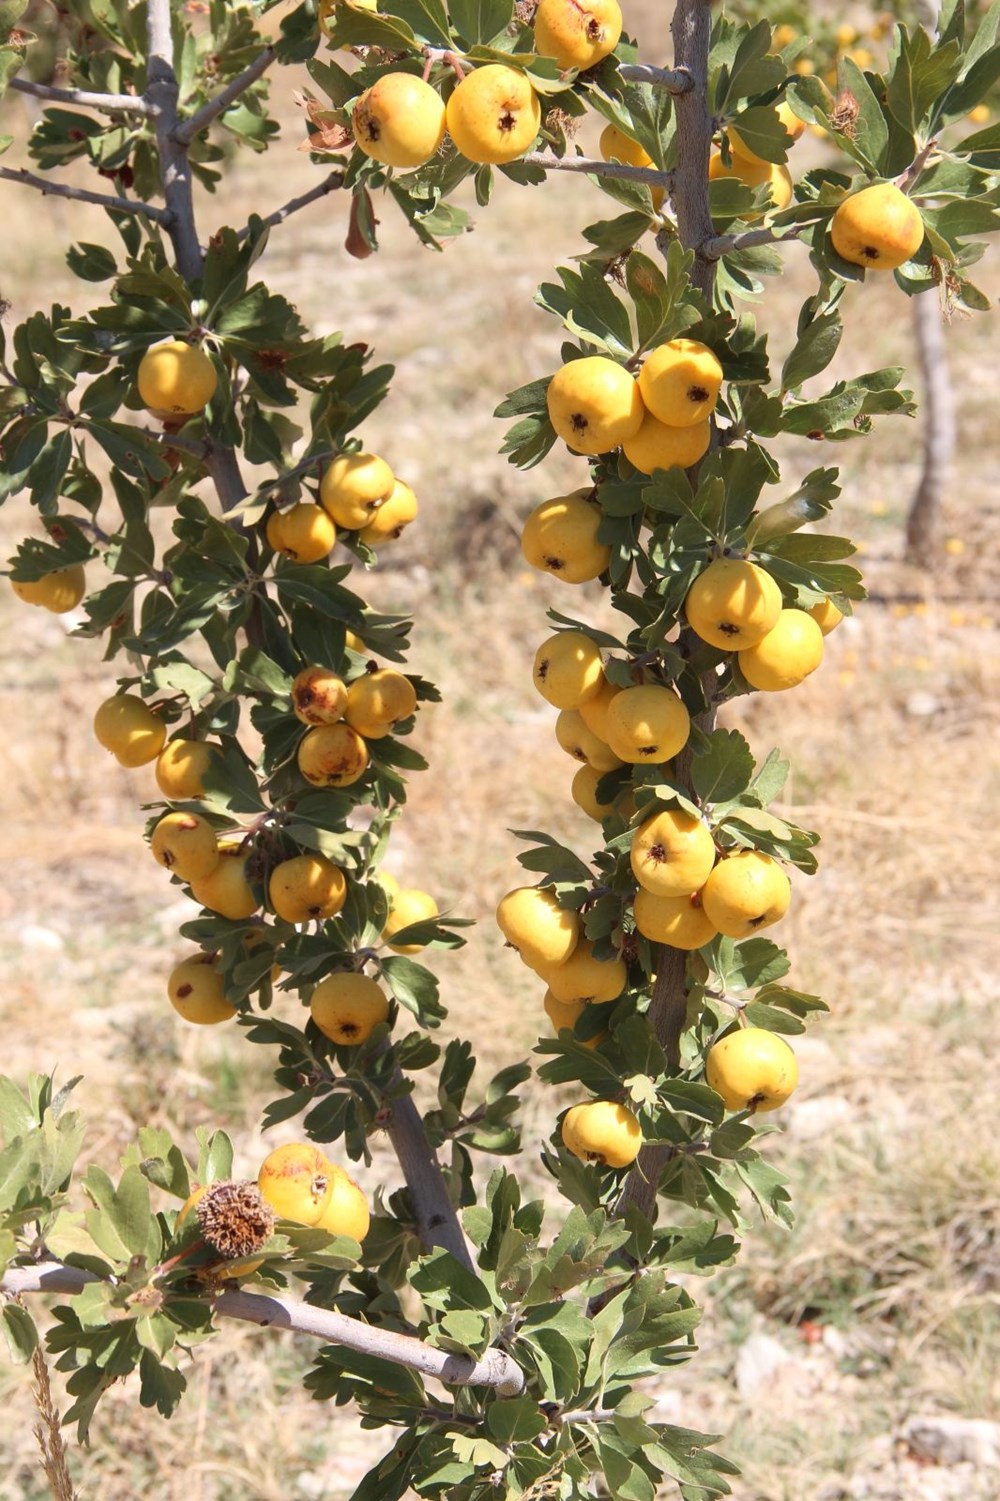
(652, 176)
(185, 132)
(328, 185)
(719, 245)
(112, 104)
(908, 178)
(674, 80)
(82, 195)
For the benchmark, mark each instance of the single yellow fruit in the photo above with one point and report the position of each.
(826, 615)
(794, 126)
(532, 921)
(347, 1007)
(185, 844)
(319, 696)
(409, 905)
(346, 1211)
(296, 1180)
(594, 711)
(979, 114)
(582, 977)
(197, 991)
(846, 36)
(584, 793)
(392, 517)
(128, 728)
(679, 921)
(567, 669)
(560, 538)
(181, 767)
(745, 892)
(657, 446)
(594, 404)
(353, 642)
(58, 592)
(389, 885)
(781, 37)
(752, 1069)
(332, 755)
(755, 175)
(732, 604)
(226, 889)
(566, 1014)
(307, 888)
(327, 9)
(379, 700)
(791, 650)
(879, 228)
(647, 724)
(680, 382)
(353, 487)
(577, 33)
(582, 744)
(303, 534)
(861, 57)
(176, 378)
(494, 114)
(399, 121)
(672, 853)
(602, 1131)
(616, 146)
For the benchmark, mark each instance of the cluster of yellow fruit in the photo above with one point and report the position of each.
(358, 493)
(754, 170)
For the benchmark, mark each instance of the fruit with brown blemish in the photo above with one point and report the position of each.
(225, 889)
(196, 989)
(602, 1132)
(746, 891)
(319, 696)
(332, 755)
(296, 1180)
(577, 33)
(186, 845)
(752, 1069)
(655, 445)
(542, 932)
(784, 658)
(648, 724)
(594, 404)
(348, 1006)
(58, 592)
(672, 853)
(585, 977)
(127, 727)
(494, 114)
(732, 603)
(176, 378)
(353, 487)
(181, 768)
(306, 888)
(560, 538)
(567, 669)
(680, 921)
(879, 228)
(680, 382)
(399, 121)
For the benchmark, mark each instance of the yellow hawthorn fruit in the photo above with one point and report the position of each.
(58, 592)
(826, 615)
(532, 921)
(346, 1211)
(804, 66)
(353, 642)
(781, 37)
(319, 696)
(560, 538)
(584, 793)
(791, 650)
(879, 227)
(583, 977)
(577, 33)
(752, 1069)
(732, 604)
(307, 888)
(657, 446)
(494, 114)
(392, 517)
(594, 404)
(602, 1131)
(861, 57)
(185, 844)
(582, 744)
(380, 698)
(399, 121)
(745, 892)
(389, 885)
(409, 905)
(567, 669)
(327, 9)
(296, 1180)
(679, 921)
(332, 755)
(594, 711)
(680, 382)
(672, 853)
(127, 727)
(846, 36)
(794, 126)
(303, 534)
(176, 378)
(353, 487)
(180, 769)
(347, 1007)
(756, 174)
(979, 114)
(226, 889)
(616, 146)
(566, 1014)
(197, 991)
(647, 724)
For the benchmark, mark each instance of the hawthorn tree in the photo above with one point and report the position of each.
(249, 670)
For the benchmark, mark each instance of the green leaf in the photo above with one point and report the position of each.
(551, 858)
(816, 346)
(19, 1331)
(722, 767)
(515, 1421)
(415, 988)
(91, 262)
(870, 132)
(480, 20)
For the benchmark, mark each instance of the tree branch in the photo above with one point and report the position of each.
(175, 169)
(328, 185)
(717, 246)
(82, 195)
(494, 1369)
(112, 104)
(939, 430)
(674, 80)
(650, 175)
(437, 1222)
(186, 130)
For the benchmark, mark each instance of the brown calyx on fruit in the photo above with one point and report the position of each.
(506, 122)
(555, 565)
(235, 1218)
(579, 422)
(697, 394)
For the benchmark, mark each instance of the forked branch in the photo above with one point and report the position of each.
(111, 104)
(652, 176)
(186, 131)
(51, 189)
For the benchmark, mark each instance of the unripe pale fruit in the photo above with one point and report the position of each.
(319, 696)
(347, 1007)
(656, 446)
(747, 891)
(346, 1211)
(58, 592)
(176, 378)
(566, 1014)
(791, 650)
(752, 1069)
(602, 1131)
(577, 33)
(353, 487)
(584, 793)
(303, 534)
(672, 853)
(582, 744)
(582, 977)
(185, 844)
(594, 711)
(307, 888)
(560, 538)
(647, 724)
(332, 755)
(567, 669)
(594, 404)
(392, 517)
(680, 382)
(128, 728)
(226, 889)
(732, 604)
(794, 126)
(296, 1180)
(826, 615)
(679, 921)
(181, 767)
(879, 228)
(399, 121)
(409, 905)
(494, 114)
(532, 921)
(379, 700)
(197, 991)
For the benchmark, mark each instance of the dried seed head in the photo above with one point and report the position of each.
(235, 1219)
(844, 118)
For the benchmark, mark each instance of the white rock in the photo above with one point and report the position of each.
(759, 1359)
(34, 936)
(921, 705)
(954, 1441)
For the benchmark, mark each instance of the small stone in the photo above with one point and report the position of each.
(760, 1358)
(921, 705)
(34, 936)
(954, 1441)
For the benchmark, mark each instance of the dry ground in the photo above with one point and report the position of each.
(884, 1298)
